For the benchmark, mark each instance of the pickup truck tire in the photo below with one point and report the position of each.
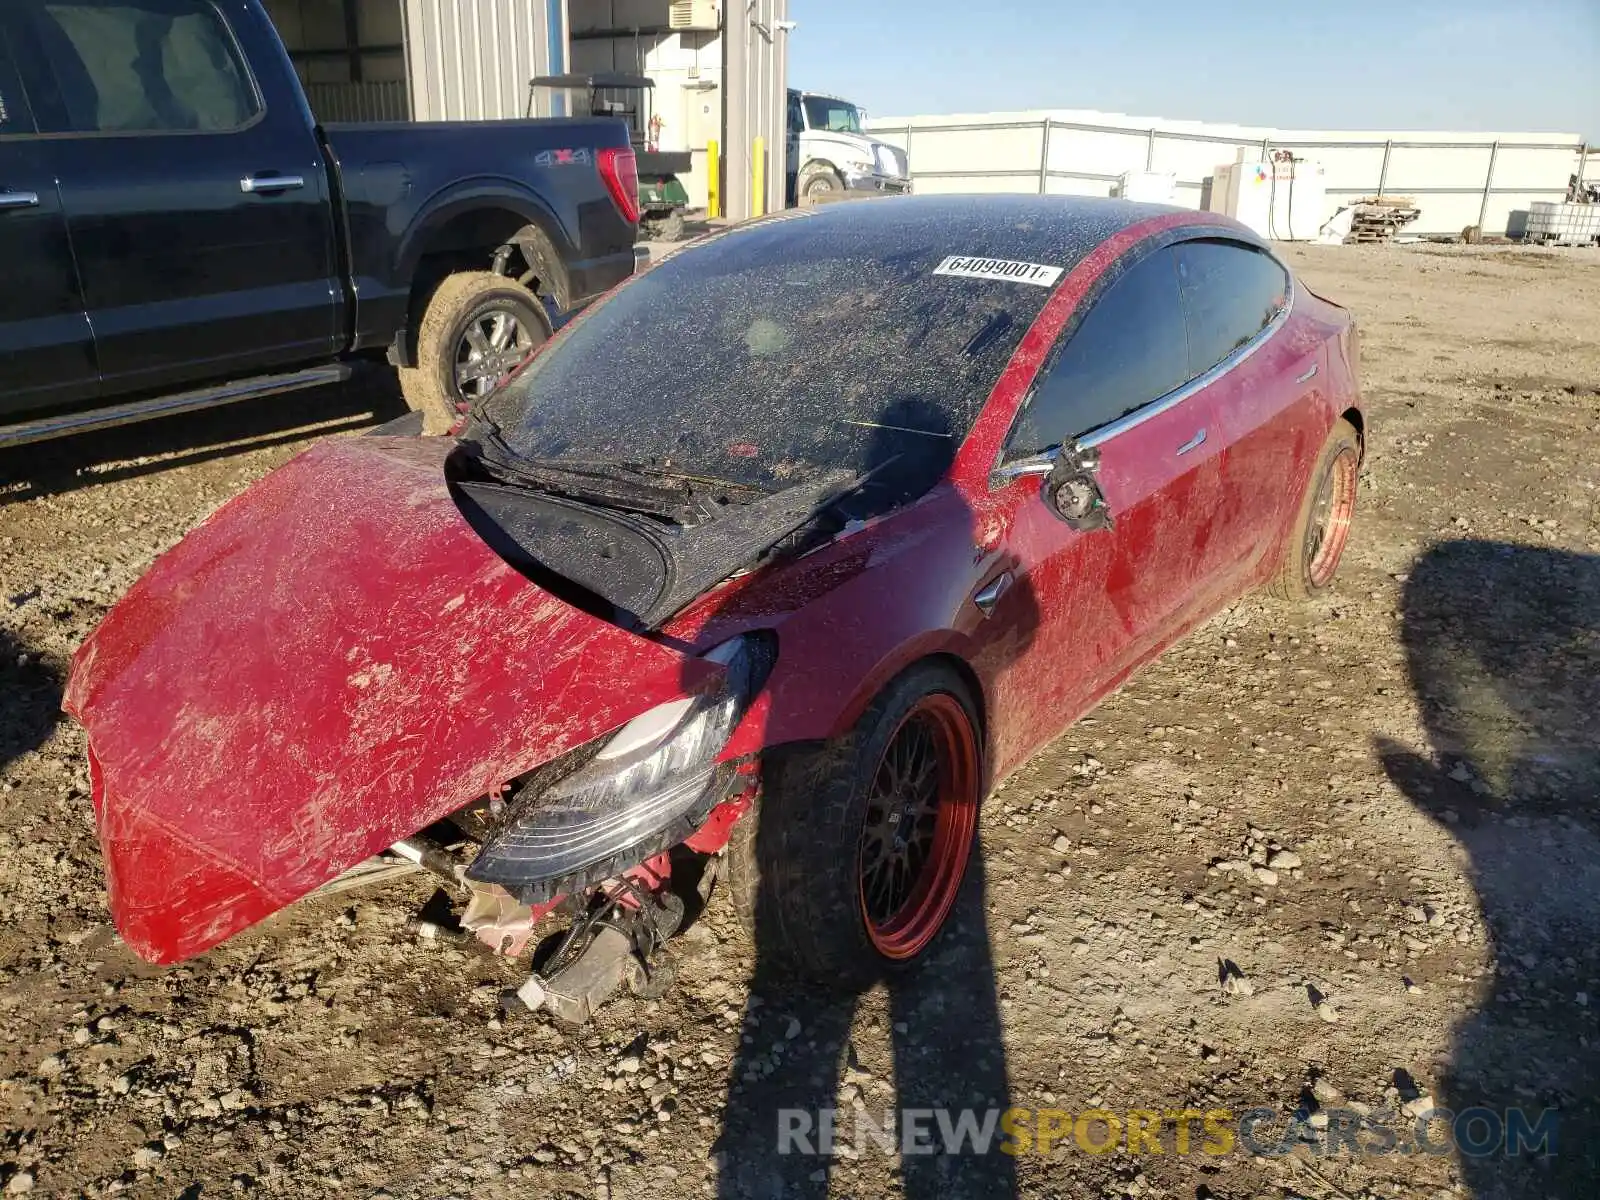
(477, 327)
(668, 228)
(818, 183)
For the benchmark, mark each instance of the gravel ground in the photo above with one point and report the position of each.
(1333, 859)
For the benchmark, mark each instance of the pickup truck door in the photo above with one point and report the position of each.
(194, 186)
(46, 351)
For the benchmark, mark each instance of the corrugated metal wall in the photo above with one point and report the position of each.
(755, 74)
(383, 101)
(471, 60)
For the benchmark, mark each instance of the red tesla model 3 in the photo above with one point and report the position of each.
(776, 559)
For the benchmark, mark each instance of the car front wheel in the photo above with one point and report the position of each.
(850, 863)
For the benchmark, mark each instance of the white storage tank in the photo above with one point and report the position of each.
(1283, 199)
(1563, 224)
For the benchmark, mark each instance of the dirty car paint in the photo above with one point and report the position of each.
(328, 664)
(422, 666)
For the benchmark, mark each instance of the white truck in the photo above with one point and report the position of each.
(829, 154)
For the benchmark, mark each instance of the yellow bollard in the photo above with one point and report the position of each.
(758, 172)
(713, 179)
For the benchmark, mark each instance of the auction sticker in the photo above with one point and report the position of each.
(1037, 274)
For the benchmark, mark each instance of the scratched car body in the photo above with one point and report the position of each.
(771, 564)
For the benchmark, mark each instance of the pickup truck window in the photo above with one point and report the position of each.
(140, 66)
(12, 118)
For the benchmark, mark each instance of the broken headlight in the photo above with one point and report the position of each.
(646, 788)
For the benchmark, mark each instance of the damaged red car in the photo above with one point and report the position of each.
(769, 566)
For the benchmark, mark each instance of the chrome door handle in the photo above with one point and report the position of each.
(19, 199)
(1307, 375)
(989, 594)
(1197, 440)
(254, 184)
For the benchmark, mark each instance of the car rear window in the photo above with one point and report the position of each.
(786, 348)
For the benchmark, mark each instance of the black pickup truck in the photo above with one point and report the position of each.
(177, 230)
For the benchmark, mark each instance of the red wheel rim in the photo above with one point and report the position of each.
(922, 811)
(1329, 527)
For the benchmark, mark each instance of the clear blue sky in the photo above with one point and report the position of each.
(1506, 65)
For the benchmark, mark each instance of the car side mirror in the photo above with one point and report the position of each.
(1072, 491)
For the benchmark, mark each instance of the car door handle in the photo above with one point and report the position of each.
(989, 594)
(19, 199)
(1197, 440)
(1307, 375)
(255, 184)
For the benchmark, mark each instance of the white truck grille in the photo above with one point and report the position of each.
(891, 161)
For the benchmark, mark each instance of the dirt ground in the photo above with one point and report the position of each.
(1423, 745)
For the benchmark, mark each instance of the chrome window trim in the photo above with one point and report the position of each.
(1040, 464)
(1177, 396)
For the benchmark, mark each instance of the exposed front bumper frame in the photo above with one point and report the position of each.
(872, 181)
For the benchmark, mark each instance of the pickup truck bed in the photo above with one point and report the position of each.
(421, 178)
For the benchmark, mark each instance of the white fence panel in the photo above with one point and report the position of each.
(1096, 152)
(1059, 186)
(1422, 168)
(1349, 171)
(1192, 161)
(981, 184)
(1457, 179)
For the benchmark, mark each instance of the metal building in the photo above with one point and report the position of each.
(720, 68)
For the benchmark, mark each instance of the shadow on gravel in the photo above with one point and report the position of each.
(1503, 646)
(945, 1035)
(30, 698)
(370, 397)
(944, 1027)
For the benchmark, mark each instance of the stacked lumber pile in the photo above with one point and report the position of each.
(1378, 218)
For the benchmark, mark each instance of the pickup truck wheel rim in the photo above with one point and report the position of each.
(922, 812)
(490, 347)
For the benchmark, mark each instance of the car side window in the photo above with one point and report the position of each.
(139, 66)
(1230, 293)
(1128, 350)
(797, 116)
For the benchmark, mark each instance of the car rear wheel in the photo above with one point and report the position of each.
(850, 863)
(1322, 528)
(478, 326)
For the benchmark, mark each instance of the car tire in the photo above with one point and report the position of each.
(668, 228)
(818, 184)
(465, 303)
(808, 864)
(1322, 524)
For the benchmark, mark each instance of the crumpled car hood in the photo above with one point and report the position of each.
(331, 662)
